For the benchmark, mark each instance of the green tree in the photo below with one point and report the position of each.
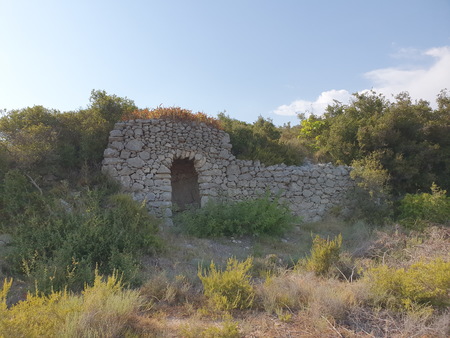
(29, 136)
(97, 121)
(260, 141)
(42, 141)
(411, 139)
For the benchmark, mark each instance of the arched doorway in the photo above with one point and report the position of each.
(185, 191)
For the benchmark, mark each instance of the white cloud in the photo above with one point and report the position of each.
(317, 107)
(421, 82)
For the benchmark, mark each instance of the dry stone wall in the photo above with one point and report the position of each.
(140, 155)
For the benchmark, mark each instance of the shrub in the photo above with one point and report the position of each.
(324, 253)
(284, 292)
(38, 315)
(106, 310)
(371, 196)
(319, 297)
(61, 244)
(421, 283)
(103, 310)
(229, 289)
(160, 290)
(416, 210)
(19, 199)
(250, 217)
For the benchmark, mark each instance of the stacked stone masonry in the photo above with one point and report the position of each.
(140, 154)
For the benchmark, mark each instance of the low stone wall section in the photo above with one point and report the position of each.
(140, 155)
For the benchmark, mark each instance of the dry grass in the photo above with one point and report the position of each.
(159, 291)
(383, 323)
(107, 310)
(320, 297)
(288, 303)
(397, 248)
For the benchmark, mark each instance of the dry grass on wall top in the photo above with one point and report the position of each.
(172, 113)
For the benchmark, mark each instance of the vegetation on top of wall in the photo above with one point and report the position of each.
(171, 113)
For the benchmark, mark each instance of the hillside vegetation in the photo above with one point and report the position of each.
(78, 257)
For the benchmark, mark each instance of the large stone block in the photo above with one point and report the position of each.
(111, 160)
(145, 155)
(117, 145)
(307, 193)
(110, 152)
(136, 162)
(134, 145)
(233, 169)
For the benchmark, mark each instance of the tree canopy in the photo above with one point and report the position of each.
(409, 139)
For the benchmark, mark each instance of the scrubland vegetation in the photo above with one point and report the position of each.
(80, 258)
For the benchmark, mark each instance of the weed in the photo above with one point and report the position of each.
(103, 310)
(306, 292)
(283, 315)
(229, 329)
(106, 310)
(324, 253)
(421, 283)
(283, 292)
(161, 290)
(229, 289)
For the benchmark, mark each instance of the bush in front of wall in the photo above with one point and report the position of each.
(261, 216)
(60, 243)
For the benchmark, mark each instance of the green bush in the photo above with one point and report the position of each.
(416, 210)
(45, 141)
(371, 197)
(20, 199)
(61, 243)
(250, 217)
(324, 253)
(229, 289)
(421, 283)
(261, 141)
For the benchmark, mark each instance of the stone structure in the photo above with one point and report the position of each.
(167, 162)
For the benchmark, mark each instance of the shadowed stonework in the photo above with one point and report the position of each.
(167, 163)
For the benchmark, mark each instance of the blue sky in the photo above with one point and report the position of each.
(247, 57)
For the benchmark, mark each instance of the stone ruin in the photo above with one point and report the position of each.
(172, 165)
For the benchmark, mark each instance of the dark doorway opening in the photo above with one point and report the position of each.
(185, 192)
